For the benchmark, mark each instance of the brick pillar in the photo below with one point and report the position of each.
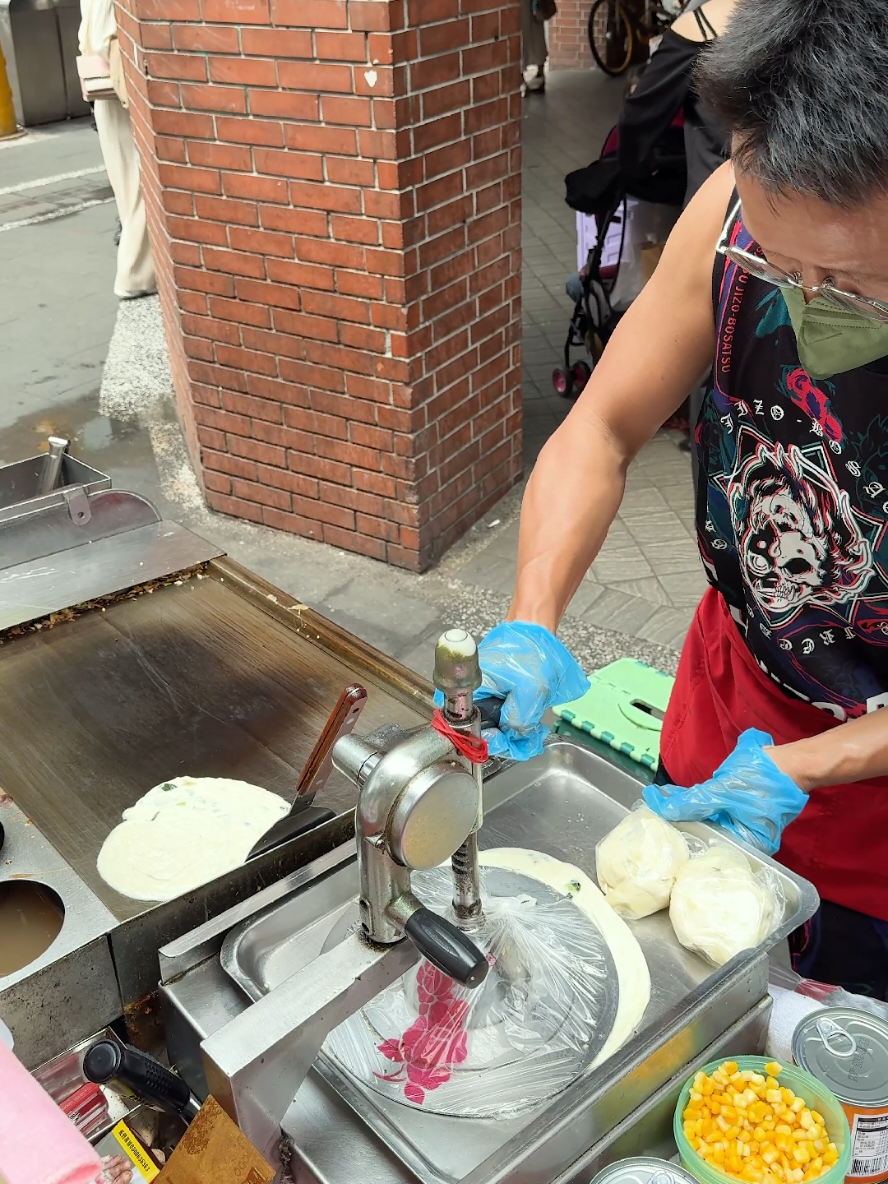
(569, 36)
(334, 201)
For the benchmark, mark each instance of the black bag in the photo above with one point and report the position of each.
(544, 10)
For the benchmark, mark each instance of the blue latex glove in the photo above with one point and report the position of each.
(531, 670)
(747, 795)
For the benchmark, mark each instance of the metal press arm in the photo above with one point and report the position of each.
(256, 1063)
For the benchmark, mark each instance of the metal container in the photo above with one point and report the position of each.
(561, 803)
(847, 1050)
(39, 42)
(644, 1169)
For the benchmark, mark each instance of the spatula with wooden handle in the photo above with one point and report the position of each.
(303, 815)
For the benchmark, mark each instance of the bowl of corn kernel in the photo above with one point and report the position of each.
(758, 1121)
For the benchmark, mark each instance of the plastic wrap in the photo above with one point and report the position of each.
(720, 906)
(540, 1018)
(747, 795)
(638, 861)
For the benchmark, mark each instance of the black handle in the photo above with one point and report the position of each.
(143, 1074)
(490, 711)
(447, 947)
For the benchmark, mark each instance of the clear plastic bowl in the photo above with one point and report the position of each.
(817, 1097)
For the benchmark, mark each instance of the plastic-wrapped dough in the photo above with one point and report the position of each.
(637, 863)
(720, 906)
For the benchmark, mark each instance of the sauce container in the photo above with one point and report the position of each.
(848, 1051)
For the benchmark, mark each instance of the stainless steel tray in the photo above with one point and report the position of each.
(562, 803)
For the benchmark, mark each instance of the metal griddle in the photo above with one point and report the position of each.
(199, 679)
(131, 652)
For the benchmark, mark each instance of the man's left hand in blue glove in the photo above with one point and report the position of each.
(747, 795)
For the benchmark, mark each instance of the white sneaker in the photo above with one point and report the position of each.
(535, 78)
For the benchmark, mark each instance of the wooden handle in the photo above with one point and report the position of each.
(319, 765)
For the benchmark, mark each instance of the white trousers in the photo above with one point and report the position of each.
(135, 266)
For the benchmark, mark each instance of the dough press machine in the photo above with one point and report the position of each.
(250, 999)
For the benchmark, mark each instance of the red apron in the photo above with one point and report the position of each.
(840, 841)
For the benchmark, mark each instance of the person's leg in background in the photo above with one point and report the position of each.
(135, 265)
(533, 48)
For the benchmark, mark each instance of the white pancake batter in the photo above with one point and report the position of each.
(184, 832)
(632, 969)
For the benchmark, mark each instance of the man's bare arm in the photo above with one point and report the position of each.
(658, 352)
(854, 751)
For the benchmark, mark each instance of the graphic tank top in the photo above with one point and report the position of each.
(792, 506)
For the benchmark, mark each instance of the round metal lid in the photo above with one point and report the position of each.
(644, 1169)
(846, 1050)
(539, 1021)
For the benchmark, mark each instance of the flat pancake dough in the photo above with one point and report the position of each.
(632, 969)
(185, 832)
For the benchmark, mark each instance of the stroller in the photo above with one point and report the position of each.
(601, 190)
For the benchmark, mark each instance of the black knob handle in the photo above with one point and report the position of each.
(143, 1074)
(447, 947)
(490, 711)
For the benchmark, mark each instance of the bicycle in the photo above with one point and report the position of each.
(617, 31)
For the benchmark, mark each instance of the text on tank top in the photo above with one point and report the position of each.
(792, 506)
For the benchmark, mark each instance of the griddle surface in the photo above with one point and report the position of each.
(194, 680)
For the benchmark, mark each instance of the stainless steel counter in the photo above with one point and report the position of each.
(71, 989)
(562, 804)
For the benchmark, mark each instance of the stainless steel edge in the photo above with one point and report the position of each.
(543, 1153)
(37, 587)
(187, 951)
(648, 1129)
(71, 989)
(135, 942)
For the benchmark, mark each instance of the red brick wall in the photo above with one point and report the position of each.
(569, 36)
(334, 199)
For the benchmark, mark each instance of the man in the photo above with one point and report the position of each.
(778, 269)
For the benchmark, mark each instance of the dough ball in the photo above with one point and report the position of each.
(637, 863)
(184, 833)
(720, 907)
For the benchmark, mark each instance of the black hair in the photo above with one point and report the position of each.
(802, 87)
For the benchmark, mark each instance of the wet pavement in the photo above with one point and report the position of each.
(57, 320)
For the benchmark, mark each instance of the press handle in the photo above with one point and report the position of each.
(490, 711)
(145, 1076)
(447, 948)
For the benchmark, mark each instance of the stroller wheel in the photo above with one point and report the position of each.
(563, 381)
(581, 372)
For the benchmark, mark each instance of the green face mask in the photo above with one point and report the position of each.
(831, 340)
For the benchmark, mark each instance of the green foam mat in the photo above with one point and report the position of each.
(624, 707)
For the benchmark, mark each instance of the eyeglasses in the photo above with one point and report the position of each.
(757, 265)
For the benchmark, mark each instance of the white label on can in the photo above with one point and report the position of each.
(869, 1140)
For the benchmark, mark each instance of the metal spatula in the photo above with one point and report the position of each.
(303, 815)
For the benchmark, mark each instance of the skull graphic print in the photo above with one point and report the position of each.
(798, 540)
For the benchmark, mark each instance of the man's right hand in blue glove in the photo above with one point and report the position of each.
(526, 666)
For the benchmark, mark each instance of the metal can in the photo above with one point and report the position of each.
(848, 1051)
(644, 1169)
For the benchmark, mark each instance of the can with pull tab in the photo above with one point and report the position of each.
(848, 1051)
(643, 1169)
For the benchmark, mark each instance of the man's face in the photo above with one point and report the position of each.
(803, 234)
